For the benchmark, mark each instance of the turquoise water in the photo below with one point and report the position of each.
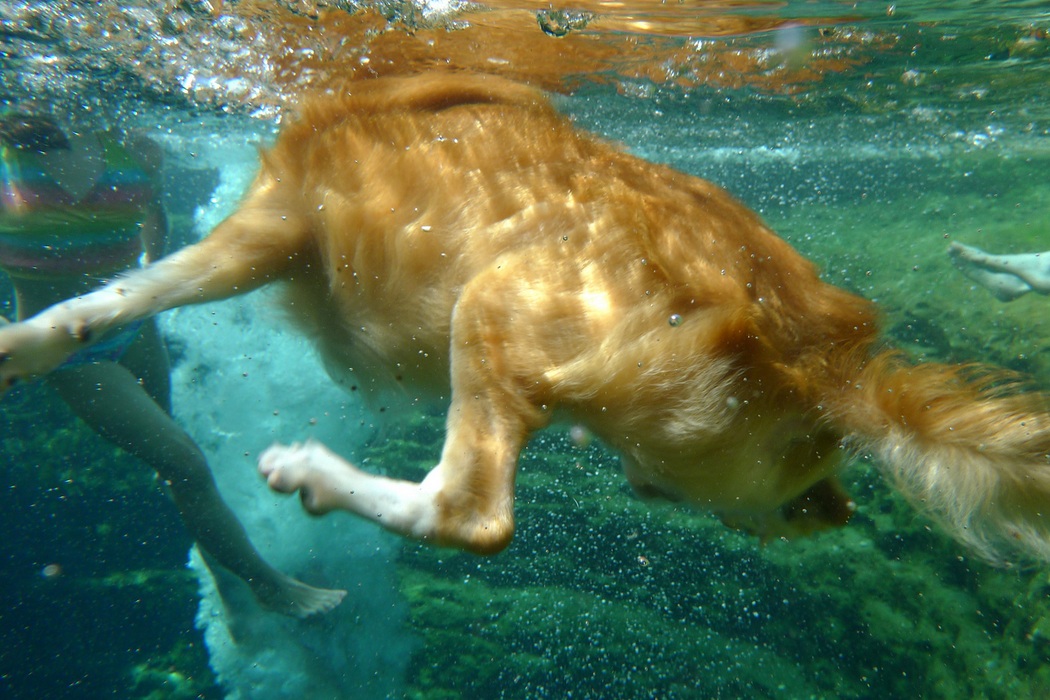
(869, 135)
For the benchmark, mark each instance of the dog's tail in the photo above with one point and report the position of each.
(966, 444)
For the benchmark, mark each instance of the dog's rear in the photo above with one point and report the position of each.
(963, 444)
(454, 231)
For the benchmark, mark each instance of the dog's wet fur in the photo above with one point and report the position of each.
(455, 233)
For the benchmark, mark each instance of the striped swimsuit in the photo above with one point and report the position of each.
(46, 233)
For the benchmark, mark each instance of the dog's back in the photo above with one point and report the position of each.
(649, 304)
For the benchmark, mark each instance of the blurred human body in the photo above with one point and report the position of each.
(75, 211)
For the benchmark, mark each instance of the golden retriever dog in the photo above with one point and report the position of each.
(454, 236)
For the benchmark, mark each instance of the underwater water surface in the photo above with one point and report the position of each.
(869, 135)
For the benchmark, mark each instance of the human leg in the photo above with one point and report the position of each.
(147, 360)
(1006, 276)
(109, 398)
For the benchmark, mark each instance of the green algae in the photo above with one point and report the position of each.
(633, 601)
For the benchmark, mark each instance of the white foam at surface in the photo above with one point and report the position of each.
(241, 383)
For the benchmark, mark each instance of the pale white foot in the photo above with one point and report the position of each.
(324, 480)
(990, 271)
(271, 590)
(288, 596)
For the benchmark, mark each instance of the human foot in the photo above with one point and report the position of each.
(988, 271)
(294, 598)
(324, 480)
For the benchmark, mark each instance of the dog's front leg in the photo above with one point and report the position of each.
(467, 500)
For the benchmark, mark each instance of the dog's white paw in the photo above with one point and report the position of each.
(28, 351)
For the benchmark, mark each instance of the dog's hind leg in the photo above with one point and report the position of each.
(251, 247)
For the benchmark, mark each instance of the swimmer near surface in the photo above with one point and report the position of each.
(449, 231)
